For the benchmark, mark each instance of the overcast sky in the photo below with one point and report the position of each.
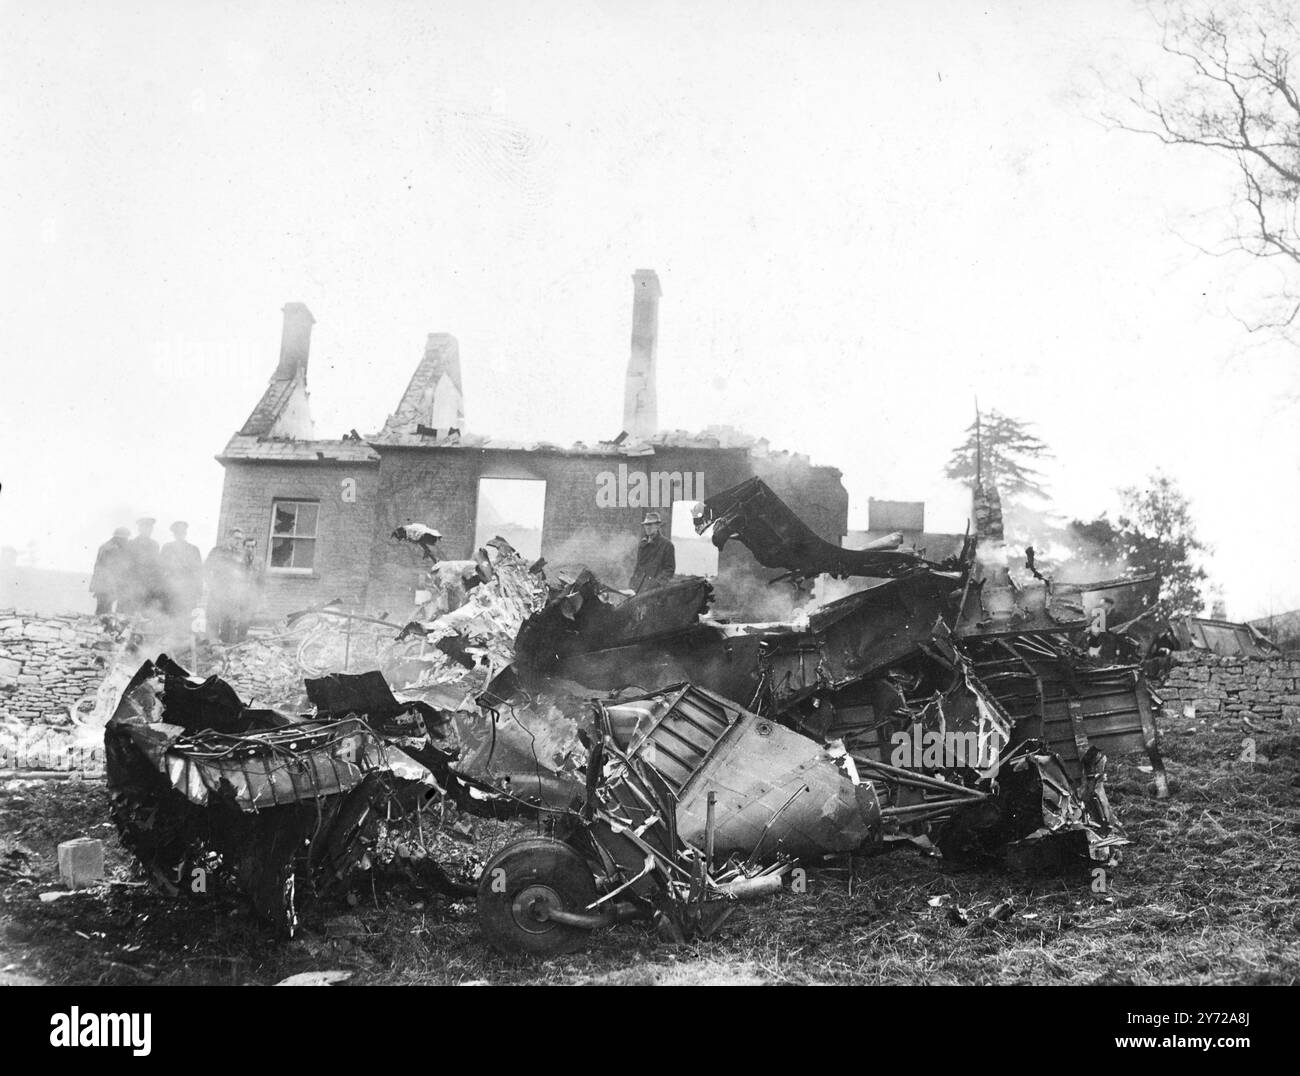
(863, 215)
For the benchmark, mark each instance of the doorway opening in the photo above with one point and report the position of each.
(513, 508)
(696, 553)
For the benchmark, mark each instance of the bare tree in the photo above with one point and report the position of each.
(1231, 92)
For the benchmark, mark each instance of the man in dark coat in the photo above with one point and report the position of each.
(182, 572)
(109, 577)
(144, 574)
(656, 559)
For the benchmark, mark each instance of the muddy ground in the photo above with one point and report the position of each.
(1208, 892)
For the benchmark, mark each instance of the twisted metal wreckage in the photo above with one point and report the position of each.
(948, 704)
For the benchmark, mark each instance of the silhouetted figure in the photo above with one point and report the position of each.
(144, 586)
(251, 590)
(225, 572)
(108, 580)
(182, 572)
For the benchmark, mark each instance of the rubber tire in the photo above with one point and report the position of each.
(534, 861)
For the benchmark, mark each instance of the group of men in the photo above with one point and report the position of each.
(135, 576)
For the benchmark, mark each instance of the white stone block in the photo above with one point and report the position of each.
(81, 862)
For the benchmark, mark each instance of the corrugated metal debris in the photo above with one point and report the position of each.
(1223, 637)
(674, 763)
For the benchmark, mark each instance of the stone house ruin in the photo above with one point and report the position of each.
(323, 511)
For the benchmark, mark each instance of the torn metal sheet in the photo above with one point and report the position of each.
(271, 760)
(931, 737)
(1008, 596)
(961, 728)
(419, 534)
(1223, 637)
(368, 696)
(874, 628)
(678, 777)
(528, 747)
(267, 769)
(1071, 706)
(635, 849)
(577, 626)
(770, 784)
(1040, 818)
(999, 598)
(285, 807)
(853, 641)
(756, 517)
(583, 620)
(450, 659)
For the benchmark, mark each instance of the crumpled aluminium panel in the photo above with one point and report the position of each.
(282, 807)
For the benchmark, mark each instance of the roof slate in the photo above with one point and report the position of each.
(262, 419)
(242, 447)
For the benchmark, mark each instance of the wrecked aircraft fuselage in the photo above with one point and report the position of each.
(286, 808)
(677, 762)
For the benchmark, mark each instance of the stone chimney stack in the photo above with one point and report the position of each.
(295, 341)
(640, 404)
(443, 399)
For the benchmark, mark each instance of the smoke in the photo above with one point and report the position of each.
(1083, 560)
(610, 559)
(740, 594)
(1064, 548)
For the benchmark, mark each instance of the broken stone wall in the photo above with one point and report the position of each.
(264, 671)
(49, 664)
(1262, 687)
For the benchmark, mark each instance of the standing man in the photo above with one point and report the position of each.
(253, 579)
(109, 576)
(656, 559)
(182, 572)
(225, 573)
(144, 579)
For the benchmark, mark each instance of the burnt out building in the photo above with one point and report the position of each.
(323, 511)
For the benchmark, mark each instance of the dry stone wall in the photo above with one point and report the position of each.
(48, 665)
(1237, 686)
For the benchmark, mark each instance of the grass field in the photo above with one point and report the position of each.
(1208, 892)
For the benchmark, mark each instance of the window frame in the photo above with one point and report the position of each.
(314, 537)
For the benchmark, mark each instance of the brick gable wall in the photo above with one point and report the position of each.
(345, 528)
